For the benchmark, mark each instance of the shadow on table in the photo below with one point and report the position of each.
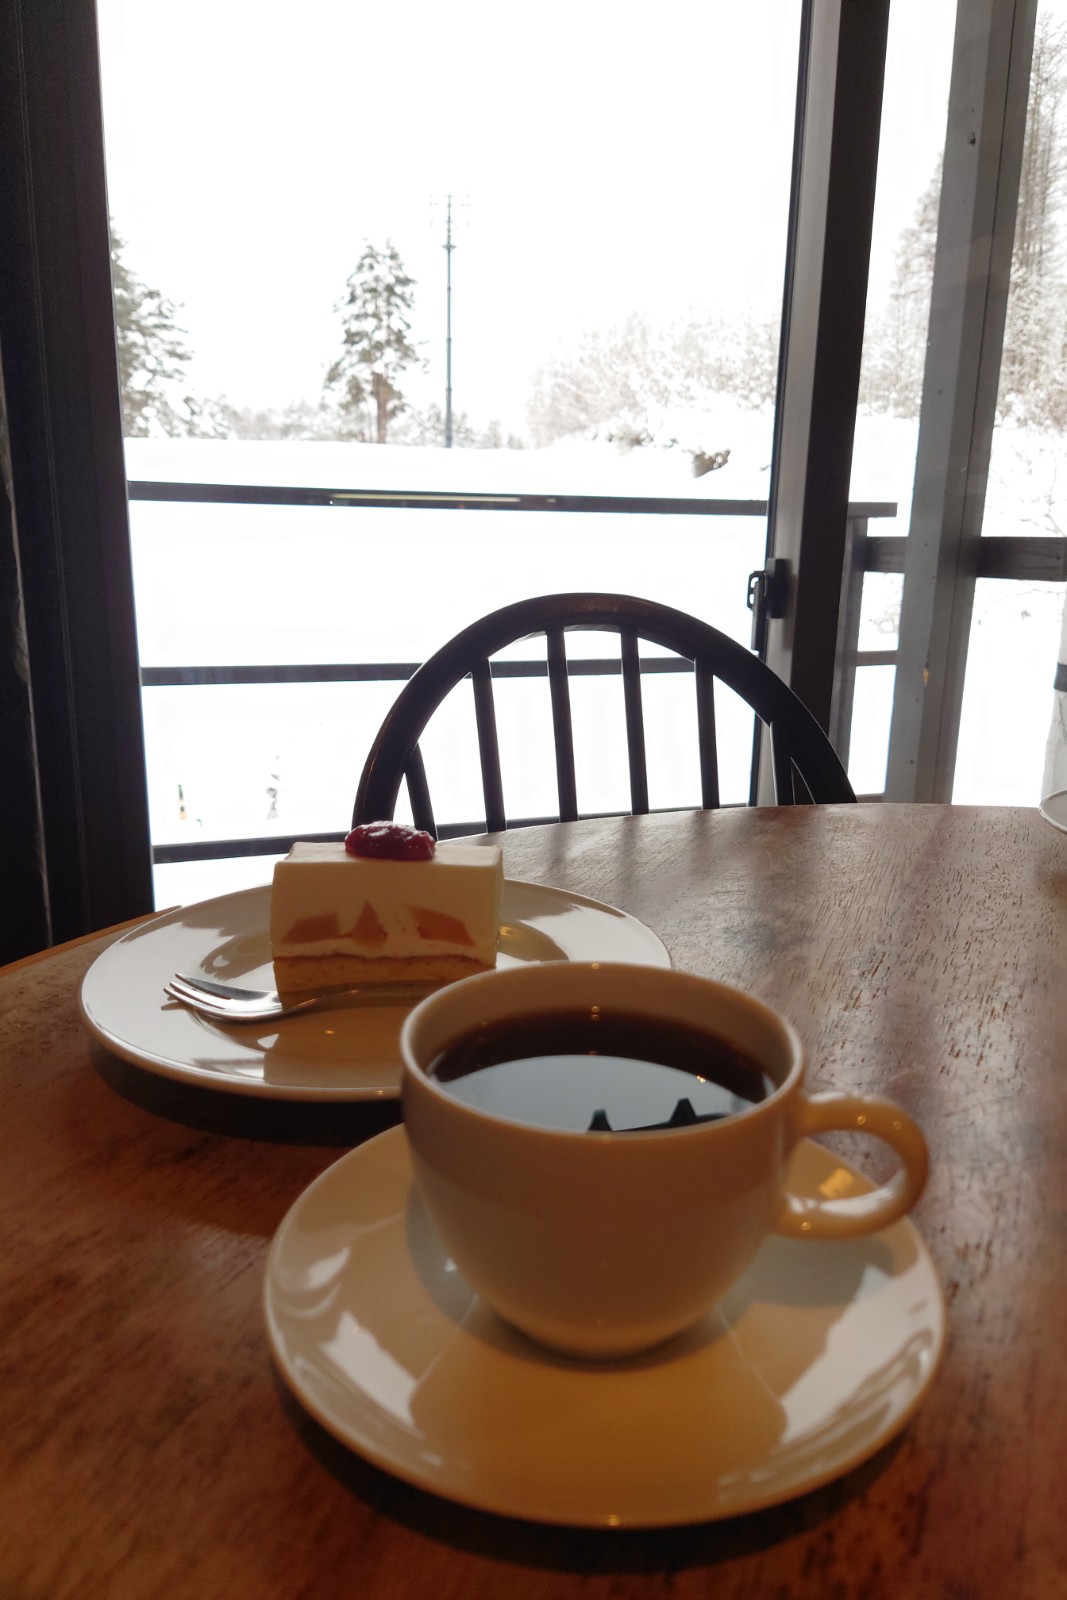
(579, 1550)
(304, 1122)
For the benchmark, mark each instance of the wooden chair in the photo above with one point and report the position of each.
(805, 765)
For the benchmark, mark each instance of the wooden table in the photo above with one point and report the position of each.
(147, 1448)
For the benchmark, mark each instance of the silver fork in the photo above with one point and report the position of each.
(227, 1002)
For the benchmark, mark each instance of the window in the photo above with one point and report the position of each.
(603, 325)
(986, 561)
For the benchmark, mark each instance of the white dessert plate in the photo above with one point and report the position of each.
(351, 1053)
(1054, 809)
(817, 1357)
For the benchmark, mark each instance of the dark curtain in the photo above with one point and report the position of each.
(24, 920)
(75, 848)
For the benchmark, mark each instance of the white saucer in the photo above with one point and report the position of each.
(816, 1359)
(1054, 809)
(351, 1053)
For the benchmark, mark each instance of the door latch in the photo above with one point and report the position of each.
(768, 594)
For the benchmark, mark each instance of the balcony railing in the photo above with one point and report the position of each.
(1044, 559)
(1026, 558)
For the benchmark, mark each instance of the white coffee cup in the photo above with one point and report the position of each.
(605, 1244)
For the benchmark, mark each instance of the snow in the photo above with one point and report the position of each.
(266, 584)
(571, 466)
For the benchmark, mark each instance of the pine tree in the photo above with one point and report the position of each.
(153, 357)
(1033, 386)
(1032, 381)
(894, 347)
(625, 383)
(365, 378)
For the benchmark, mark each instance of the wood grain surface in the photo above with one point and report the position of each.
(148, 1449)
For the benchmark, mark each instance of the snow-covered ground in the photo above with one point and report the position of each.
(255, 585)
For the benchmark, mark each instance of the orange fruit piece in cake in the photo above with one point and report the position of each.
(439, 925)
(368, 928)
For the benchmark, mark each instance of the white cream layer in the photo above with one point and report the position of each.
(320, 880)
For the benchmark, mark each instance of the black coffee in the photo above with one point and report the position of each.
(581, 1070)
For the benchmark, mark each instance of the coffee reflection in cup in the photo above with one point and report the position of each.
(588, 1069)
(603, 1147)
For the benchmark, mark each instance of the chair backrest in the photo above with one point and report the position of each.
(805, 765)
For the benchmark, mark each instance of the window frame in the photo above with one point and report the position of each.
(80, 744)
(83, 818)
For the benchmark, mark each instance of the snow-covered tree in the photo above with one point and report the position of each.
(635, 383)
(894, 352)
(1033, 387)
(300, 419)
(1033, 380)
(153, 359)
(426, 426)
(364, 381)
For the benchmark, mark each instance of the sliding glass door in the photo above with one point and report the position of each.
(957, 638)
(514, 293)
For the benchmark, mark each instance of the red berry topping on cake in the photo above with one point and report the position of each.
(390, 841)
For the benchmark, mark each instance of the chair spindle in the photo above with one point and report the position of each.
(488, 747)
(782, 766)
(805, 766)
(635, 723)
(561, 725)
(419, 793)
(706, 740)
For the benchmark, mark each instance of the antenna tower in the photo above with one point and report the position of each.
(448, 247)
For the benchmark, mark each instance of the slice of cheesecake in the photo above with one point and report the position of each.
(411, 911)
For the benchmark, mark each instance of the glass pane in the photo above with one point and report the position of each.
(872, 711)
(1008, 694)
(573, 289)
(911, 149)
(181, 883)
(880, 611)
(1027, 493)
(609, 285)
(248, 760)
(228, 585)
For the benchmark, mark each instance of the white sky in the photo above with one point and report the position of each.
(611, 157)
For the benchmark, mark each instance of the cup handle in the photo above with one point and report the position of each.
(804, 1218)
